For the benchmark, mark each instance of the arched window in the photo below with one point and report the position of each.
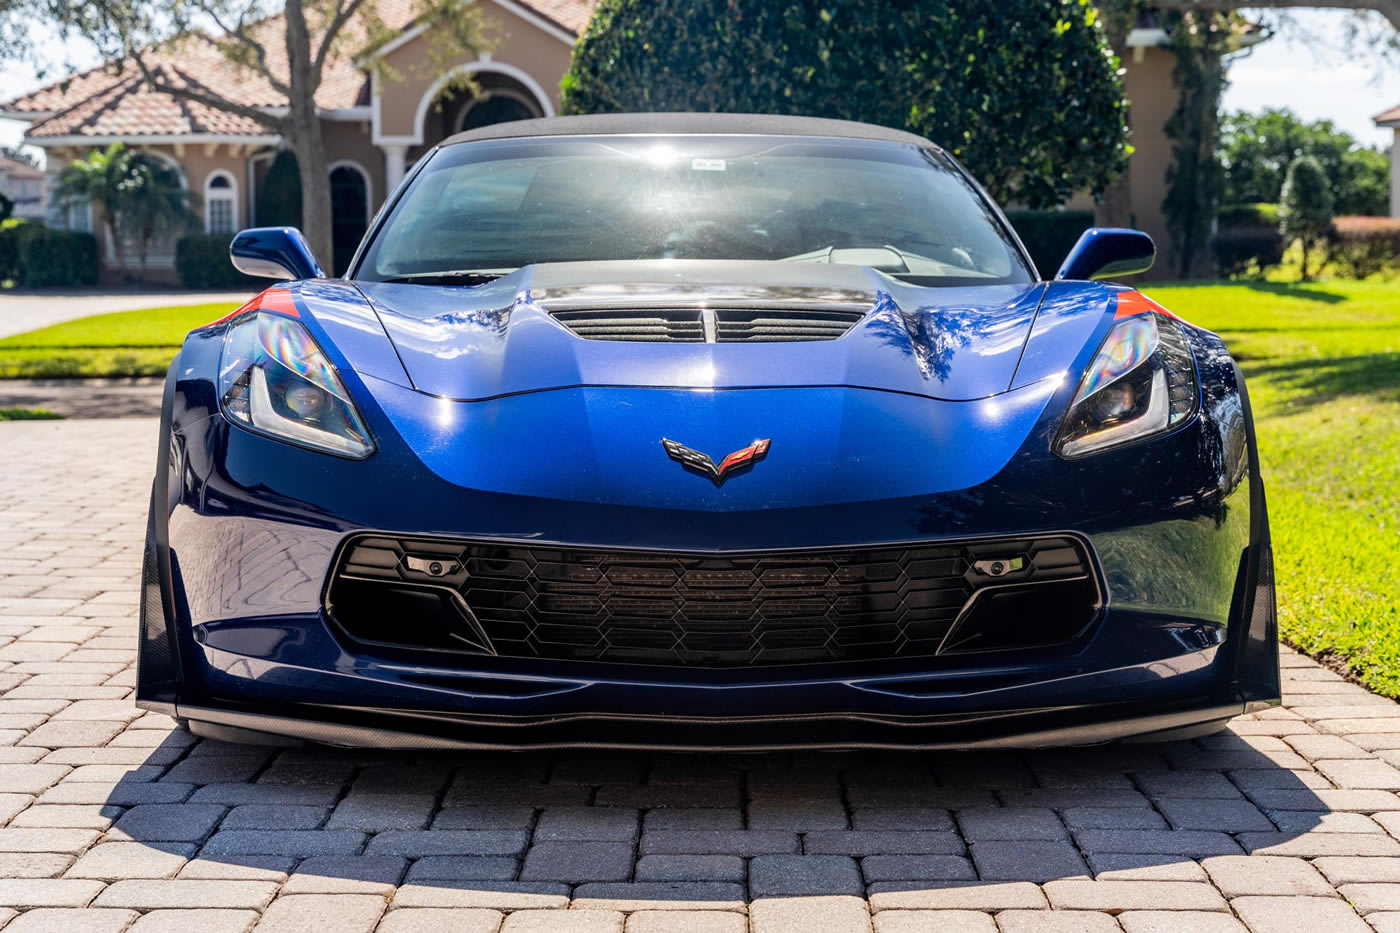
(220, 203)
(497, 105)
(350, 211)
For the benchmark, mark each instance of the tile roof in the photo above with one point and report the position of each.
(111, 99)
(1388, 117)
(17, 169)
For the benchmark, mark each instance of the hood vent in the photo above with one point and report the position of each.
(709, 325)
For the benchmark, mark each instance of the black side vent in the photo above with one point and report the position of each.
(654, 326)
(769, 326)
(710, 325)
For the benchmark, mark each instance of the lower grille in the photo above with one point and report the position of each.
(711, 611)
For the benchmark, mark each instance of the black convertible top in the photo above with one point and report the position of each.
(719, 124)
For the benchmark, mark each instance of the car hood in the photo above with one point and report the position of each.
(502, 338)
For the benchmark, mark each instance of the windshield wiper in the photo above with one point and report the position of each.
(452, 277)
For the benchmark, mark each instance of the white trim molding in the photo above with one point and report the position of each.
(369, 183)
(541, 101)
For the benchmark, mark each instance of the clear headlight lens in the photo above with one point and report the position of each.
(275, 380)
(1142, 382)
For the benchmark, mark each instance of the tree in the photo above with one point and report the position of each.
(1305, 207)
(287, 51)
(99, 179)
(279, 201)
(1257, 148)
(1201, 41)
(1390, 9)
(15, 154)
(1024, 92)
(153, 203)
(7, 207)
(140, 197)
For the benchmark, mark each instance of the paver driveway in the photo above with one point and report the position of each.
(118, 820)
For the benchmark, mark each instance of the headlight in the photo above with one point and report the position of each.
(275, 380)
(1142, 382)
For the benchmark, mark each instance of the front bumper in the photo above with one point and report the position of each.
(244, 532)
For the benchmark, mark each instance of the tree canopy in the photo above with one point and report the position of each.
(1305, 205)
(1256, 150)
(1024, 92)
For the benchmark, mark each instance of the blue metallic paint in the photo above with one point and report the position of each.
(274, 253)
(946, 343)
(931, 420)
(254, 524)
(1108, 252)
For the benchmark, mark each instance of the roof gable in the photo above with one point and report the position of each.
(111, 99)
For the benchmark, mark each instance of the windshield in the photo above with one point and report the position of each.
(479, 210)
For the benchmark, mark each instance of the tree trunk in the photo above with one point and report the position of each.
(310, 149)
(303, 134)
(1115, 207)
(110, 223)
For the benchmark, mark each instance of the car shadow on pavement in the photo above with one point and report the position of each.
(1111, 828)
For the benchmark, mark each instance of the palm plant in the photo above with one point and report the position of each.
(141, 198)
(153, 203)
(99, 179)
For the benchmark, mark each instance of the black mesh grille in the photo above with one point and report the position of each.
(653, 326)
(695, 610)
(718, 325)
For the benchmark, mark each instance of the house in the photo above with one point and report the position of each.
(24, 185)
(1391, 120)
(376, 127)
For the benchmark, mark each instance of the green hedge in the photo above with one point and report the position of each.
(202, 261)
(1049, 235)
(1247, 250)
(33, 256)
(1359, 247)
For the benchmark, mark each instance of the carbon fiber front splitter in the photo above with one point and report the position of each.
(354, 727)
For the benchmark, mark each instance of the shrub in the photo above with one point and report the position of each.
(202, 261)
(1362, 246)
(279, 202)
(1049, 235)
(1305, 208)
(950, 70)
(1246, 250)
(35, 256)
(1259, 214)
(7, 207)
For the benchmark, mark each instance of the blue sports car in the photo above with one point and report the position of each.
(700, 431)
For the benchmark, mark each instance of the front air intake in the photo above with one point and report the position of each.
(712, 610)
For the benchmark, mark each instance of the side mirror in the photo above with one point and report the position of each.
(274, 253)
(1106, 252)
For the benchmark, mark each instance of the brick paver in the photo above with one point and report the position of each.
(111, 818)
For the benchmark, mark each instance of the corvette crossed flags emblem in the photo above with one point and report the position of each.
(695, 460)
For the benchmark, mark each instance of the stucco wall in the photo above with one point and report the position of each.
(1148, 85)
(518, 44)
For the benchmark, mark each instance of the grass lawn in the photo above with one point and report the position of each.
(125, 343)
(27, 414)
(1323, 366)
